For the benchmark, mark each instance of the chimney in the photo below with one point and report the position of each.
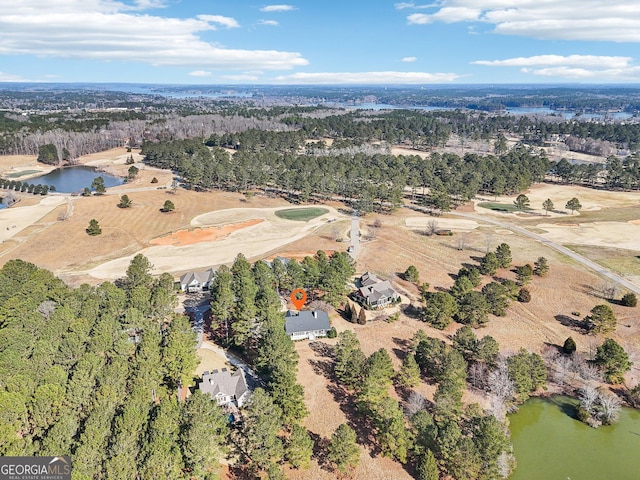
(315, 314)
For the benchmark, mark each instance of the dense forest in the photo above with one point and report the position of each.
(367, 180)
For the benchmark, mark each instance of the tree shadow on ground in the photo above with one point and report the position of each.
(322, 349)
(412, 311)
(362, 425)
(320, 451)
(322, 367)
(575, 324)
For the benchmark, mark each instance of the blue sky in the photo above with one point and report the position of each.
(320, 41)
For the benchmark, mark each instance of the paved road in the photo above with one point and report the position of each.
(355, 236)
(605, 272)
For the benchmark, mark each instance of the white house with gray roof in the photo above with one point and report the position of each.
(306, 324)
(374, 292)
(225, 387)
(197, 281)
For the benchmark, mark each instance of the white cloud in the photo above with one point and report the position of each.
(576, 67)
(270, 23)
(409, 59)
(106, 30)
(598, 20)
(224, 21)
(200, 73)
(367, 78)
(9, 77)
(411, 5)
(599, 61)
(277, 8)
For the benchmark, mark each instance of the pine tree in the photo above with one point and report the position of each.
(343, 449)
(540, 267)
(362, 317)
(94, 228)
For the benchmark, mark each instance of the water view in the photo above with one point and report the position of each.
(551, 445)
(75, 179)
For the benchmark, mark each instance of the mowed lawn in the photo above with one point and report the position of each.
(301, 214)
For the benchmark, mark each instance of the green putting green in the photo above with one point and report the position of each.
(301, 214)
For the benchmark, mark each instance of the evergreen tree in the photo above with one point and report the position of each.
(179, 353)
(503, 255)
(523, 274)
(409, 375)
(362, 316)
(349, 359)
(522, 202)
(202, 434)
(94, 228)
(343, 450)
(411, 274)
(222, 299)
(259, 438)
(125, 202)
(98, 185)
(613, 360)
(489, 264)
(547, 205)
(299, 448)
(541, 267)
(573, 205)
(569, 346)
(602, 319)
(427, 468)
(629, 300)
(168, 206)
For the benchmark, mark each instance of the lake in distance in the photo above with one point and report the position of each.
(551, 445)
(75, 179)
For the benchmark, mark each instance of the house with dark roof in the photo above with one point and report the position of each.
(197, 281)
(225, 387)
(375, 293)
(306, 324)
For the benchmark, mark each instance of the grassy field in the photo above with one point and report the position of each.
(23, 172)
(301, 214)
(626, 262)
(499, 207)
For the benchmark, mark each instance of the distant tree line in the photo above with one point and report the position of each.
(26, 187)
(367, 181)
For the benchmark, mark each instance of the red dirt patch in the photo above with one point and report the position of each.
(209, 234)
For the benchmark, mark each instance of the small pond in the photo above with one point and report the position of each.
(75, 179)
(551, 445)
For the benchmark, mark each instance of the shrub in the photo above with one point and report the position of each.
(524, 296)
(629, 300)
(569, 346)
(332, 333)
(154, 180)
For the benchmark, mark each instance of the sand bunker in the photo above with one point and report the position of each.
(189, 237)
(250, 231)
(446, 223)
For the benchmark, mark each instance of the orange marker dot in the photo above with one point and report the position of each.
(298, 297)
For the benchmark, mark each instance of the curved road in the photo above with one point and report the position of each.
(564, 250)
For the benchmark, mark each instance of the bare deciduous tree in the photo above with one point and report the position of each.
(432, 227)
(610, 406)
(415, 403)
(499, 382)
(47, 308)
(588, 396)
